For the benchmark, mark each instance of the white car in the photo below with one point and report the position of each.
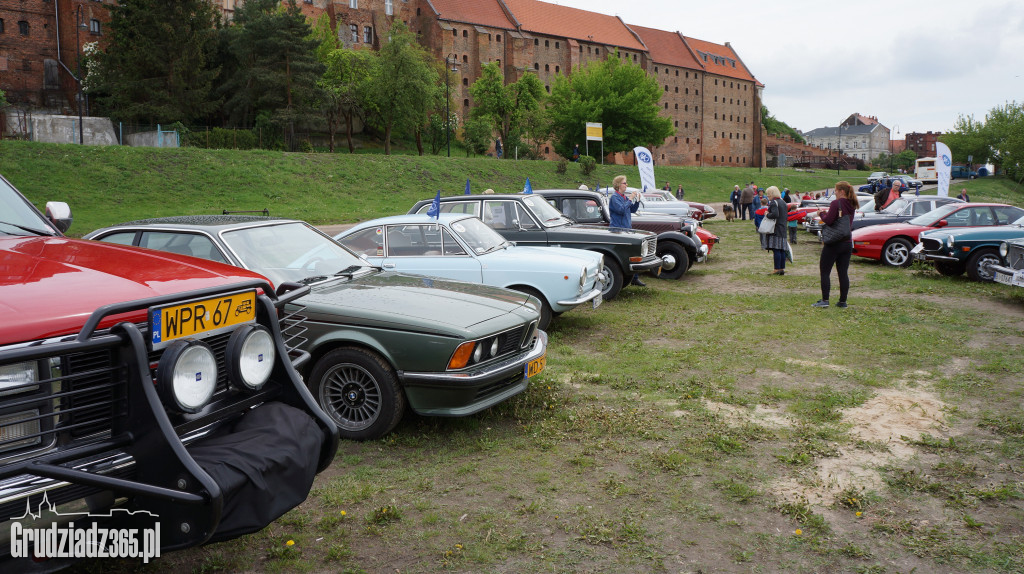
(462, 247)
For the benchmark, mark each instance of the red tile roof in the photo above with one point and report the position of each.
(479, 12)
(554, 20)
(719, 59)
(667, 47)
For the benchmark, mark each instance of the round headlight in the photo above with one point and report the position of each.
(250, 357)
(187, 375)
(494, 347)
(478, 352)
(1004, 249)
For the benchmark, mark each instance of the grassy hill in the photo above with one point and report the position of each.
(106, 185)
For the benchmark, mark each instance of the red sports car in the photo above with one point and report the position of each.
(892, 242)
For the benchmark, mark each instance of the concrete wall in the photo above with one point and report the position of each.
(153, 139)
(64, 129)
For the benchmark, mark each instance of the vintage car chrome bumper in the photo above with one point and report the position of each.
(937, 257)
(653, 263)
(588, 296)
(1007, 276)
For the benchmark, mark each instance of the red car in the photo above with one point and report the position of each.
(892, 242)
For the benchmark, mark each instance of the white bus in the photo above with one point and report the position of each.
(924, 170)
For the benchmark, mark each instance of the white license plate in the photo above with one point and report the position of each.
(1003, 278)
(596, 301)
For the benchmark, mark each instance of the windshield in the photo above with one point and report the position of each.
(477, 235)
(290, 252)
(1019, 221)
(896, 207)
(936, 214)
(16, 216)
(542, 210)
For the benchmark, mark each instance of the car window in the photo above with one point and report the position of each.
(582, 209)
(289, 251)
(121, 238)
(965, 217)
(469, 207)
(547, 215)
(506, 215)
(414, 240)
(368, 242)
(922, 207)
(897, 207)
(1006, 214)
(182, 243)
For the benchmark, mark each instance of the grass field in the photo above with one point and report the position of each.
(712, 424)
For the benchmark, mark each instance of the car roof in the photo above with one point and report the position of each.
(413, 218)
(213, 223)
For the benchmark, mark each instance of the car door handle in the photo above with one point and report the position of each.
(388, 265)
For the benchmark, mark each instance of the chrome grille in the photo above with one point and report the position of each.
(650, 246)
(1015, 255)
(931, 244)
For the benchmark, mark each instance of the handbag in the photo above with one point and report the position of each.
(838, 230)
(767, 226)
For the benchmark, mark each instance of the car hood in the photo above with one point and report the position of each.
(550, 257)
(395, 300)
(50, 285)
(991, 233)
(615, 234)
(887, 230)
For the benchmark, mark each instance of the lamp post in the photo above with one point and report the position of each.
(449, 63)
(839, 149)
(896, 128)
(78, 72)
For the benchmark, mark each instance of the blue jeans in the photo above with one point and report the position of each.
(780, 258)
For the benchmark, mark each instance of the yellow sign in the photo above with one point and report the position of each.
(595, 132)
(204, 316)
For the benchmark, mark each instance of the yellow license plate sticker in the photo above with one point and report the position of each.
(534, 367)
(200, 317)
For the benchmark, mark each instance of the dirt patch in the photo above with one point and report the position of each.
(759, 415)
(886, 423)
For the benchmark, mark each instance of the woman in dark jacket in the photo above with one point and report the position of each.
(837, 254)
(776, 241)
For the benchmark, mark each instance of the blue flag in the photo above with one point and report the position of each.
(435, 207)
(467, 187)
(527, 188)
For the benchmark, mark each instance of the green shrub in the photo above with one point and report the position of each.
(587, 164)
(562, 166)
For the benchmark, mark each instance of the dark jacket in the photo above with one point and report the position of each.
(840, 204)
(747, 195)
(622, 210)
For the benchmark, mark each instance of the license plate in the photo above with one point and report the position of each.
(1003, 278)
(534, 367)
(596, 301)
(918, 248)
(205, 316)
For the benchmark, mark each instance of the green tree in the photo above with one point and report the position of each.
(274, 71)
(344, 85)
(3, 99)
(777, 127)
(618, 94)
(157, 67)
(968, 138)
(403, 85)
(506, 106)
(1004, 126)
(476, 136)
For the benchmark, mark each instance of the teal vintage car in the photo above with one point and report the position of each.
(975, 250)
(378, 341)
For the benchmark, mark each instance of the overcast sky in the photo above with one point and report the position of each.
(915, 65)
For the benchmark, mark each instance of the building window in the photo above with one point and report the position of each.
(634, 57)
(1, 25)
(465, 81)
(677, 106)
(716, 116)
(536, 66)
(677, 73)
(677, 89)
(367, 34)
(556, 45)
(94, 27)
(465, 59)
(547, 67)
(686, 107)
(716, 98)
(23, 27)
(687, 126)
(677, 123)
(389, 9)
(354, 4)
(687, 74)
(666, 105)
(536, 42)
(714, 134)
(698, 157)
(455, 33)
(465, 102)
(498, 62)
(547, 44)
(687, 91)
(497, 37)
(355, 33)
(465, 33)
(655, 69)
(716, 81)
(557, 69)
(666, 87)
(714, 158)
(588, 49)
(675, 140)
(548, 88)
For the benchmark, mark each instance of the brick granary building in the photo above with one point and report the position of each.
(712, 98)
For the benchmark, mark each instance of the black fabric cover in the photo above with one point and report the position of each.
(265, 466)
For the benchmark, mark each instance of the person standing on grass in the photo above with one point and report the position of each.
(746, 199)
(791, 205)
(838, 254)
(680, 193)
(622, 209)
(963, 195)
(734, 199)
(776, 240)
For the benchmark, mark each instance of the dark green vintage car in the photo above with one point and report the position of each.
(972, 249)
(1010, 271)
(528, 219)
(378, 341)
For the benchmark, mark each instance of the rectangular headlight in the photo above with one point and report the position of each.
(14, 427)
(18, 378)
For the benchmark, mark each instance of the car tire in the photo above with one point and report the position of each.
(678, 260)
(949, 269)
(978, 264)
(359, 391)
(545, 308)
(896, 252)
(614, 285)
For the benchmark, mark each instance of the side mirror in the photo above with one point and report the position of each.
(59, 214)
(941, 223)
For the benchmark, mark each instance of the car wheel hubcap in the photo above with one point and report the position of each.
(985, 267)
(668, 262)
(351, 396)
(897, 254)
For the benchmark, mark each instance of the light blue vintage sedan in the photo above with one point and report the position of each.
(459, 246)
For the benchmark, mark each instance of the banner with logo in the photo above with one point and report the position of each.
(943, 167)
(645, 163)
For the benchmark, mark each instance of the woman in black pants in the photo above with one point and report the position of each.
(837, 254)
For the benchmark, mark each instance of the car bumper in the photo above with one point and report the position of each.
(938, 257)
(467, 392)
(869, 251)
(586, 297)
(648, 265)
(1008, 276)
(702, 253)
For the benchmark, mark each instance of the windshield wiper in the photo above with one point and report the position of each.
(349, 271)
(28, 229)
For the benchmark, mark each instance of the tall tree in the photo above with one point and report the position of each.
(403, 85)
(157, 65)
(505, 106)
(968, 138)
(1004, 126)
(344, 85)
(275, 70)
(619, 95)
